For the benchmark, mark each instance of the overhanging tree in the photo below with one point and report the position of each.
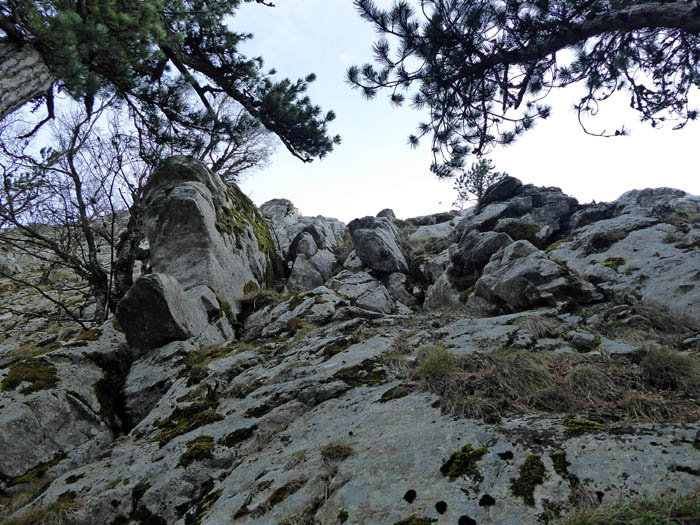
(152, 54)
(482, 67)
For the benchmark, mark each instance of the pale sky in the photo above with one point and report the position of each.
(375, 169)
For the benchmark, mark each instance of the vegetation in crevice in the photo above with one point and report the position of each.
(109, 391)
(198, 449)
(574, 427)
(185, 419)
(37, 472)
(368, 372)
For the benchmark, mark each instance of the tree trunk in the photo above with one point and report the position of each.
(23, 76)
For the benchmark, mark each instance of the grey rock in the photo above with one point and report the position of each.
(169, 316)
(374, 240)
(397, 285)
(441, 293)
(388, 213)
(520, 276)
(202, 232)
(503, 190)
(353, 262)
(363, 290)
(473, 253)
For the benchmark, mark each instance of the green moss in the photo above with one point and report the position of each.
(613, 262)
(39, 373)
(198, 449)
(577, 427)
(557, 244)
(250, 288)
(231, 317)
(463, 463)
(396, 392)
(89, 335)
(343, 515)
(237, 436)
(186, 419)
(195, 363)
(530, 474)
(116, 325)
(561, 467)
(232, 220)
(112, 484)
(464, 296)
(368, 372)
(414, 520)
(37, 472)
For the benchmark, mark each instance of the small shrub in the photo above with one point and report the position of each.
(668, 369)
(437, 363)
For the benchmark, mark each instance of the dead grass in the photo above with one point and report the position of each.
(55, 513)
(539, 326)
(488, 386)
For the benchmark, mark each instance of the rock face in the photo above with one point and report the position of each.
(502, 365)
(203, 236)
(202, 232)
(374, 240)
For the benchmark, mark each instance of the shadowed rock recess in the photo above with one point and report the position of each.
(506, 364)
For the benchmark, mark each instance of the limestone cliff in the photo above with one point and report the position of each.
(506, 364)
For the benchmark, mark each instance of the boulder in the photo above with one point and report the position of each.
(397, 285)
(442, 293)
(388, 213)
(374, 240)
(503, 190)
(363, 290)
(203, 232)
(156, 311)
(473, 253)
(520, 277)
(287, 223)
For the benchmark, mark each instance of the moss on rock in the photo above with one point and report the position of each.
(39, 373)
(463, 463)
(198, 449)
(368, 372)
(577, 427)
(186, 419)
(530, 474)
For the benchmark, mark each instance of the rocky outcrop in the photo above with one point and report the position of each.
(374, 240)
(519, 277)
(208, 243)
(532, 351)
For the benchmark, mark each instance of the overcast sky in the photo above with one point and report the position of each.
(374, 168)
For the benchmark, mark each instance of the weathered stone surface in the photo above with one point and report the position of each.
(363, 290)
(503, 190)
(312, 264)
(374, 240)
(442, 293)
(520, 276)
(202, 232)
(168, 314)
(397, 285)
(473, 253)
(23, 75)
(287, 222)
